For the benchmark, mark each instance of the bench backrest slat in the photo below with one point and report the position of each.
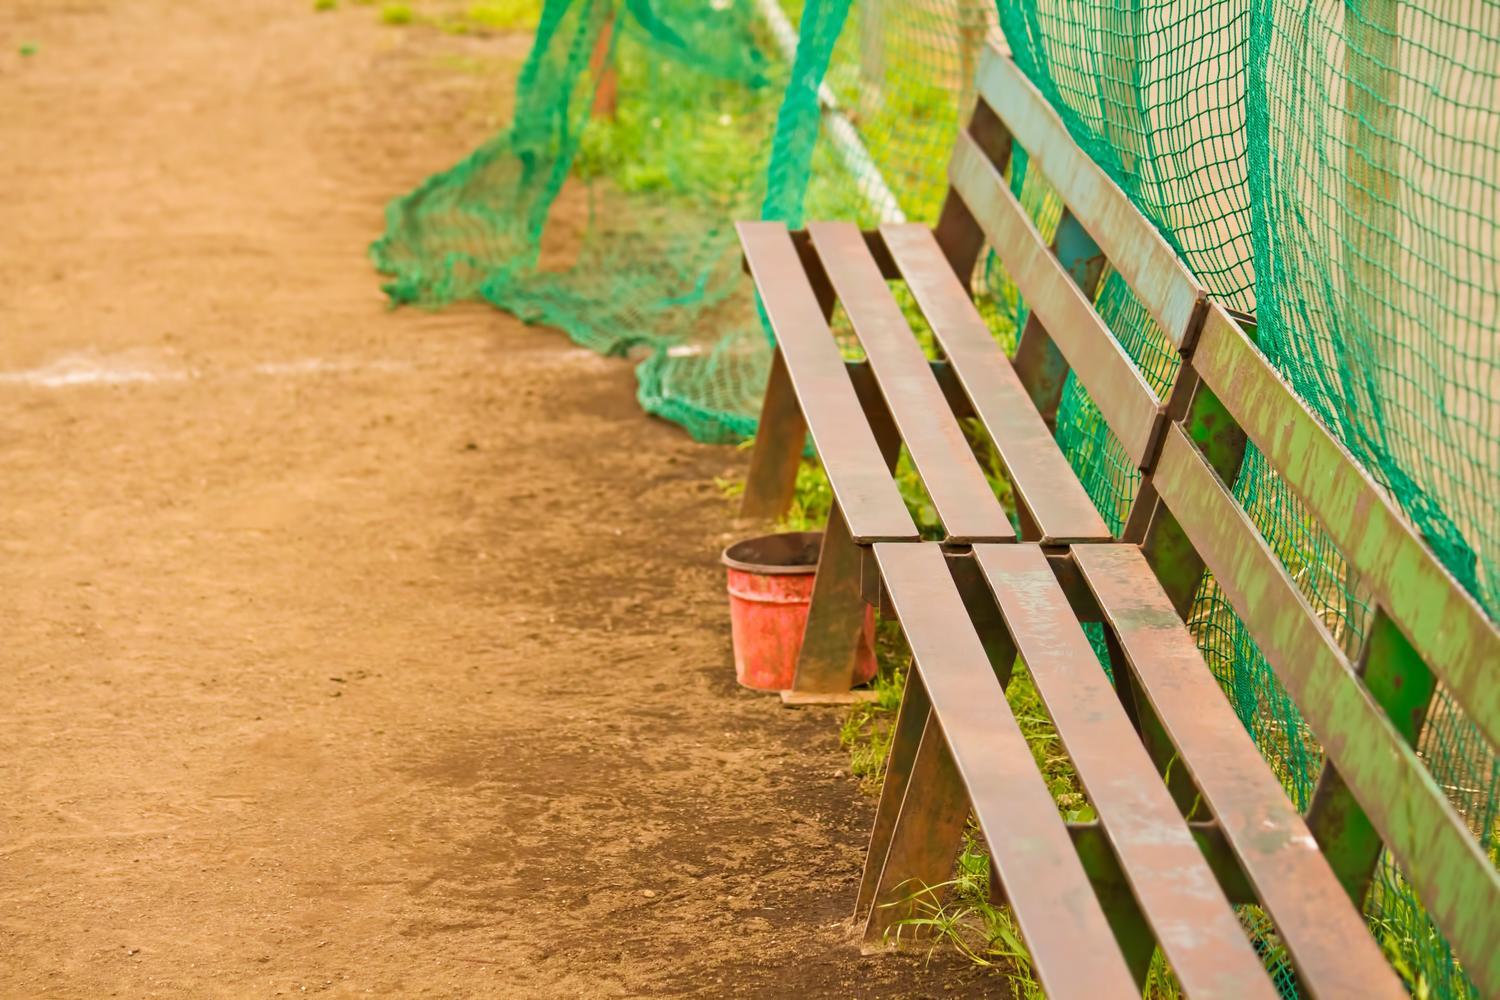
(1417, 822)
(1044, 482)
(857, 471)
(964, 500)
(1323, 931)
(1100, 363)
(1073, 950)
(1133, 245)
(1177, 892)
(1439, 617)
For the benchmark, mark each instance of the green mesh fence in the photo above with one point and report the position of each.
(1330, 168)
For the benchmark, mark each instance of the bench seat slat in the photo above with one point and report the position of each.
(1101, 364)
(1325, 934)
(1036, 465)
(1177, 891)
(866, 493)
(965, 502)
(1456, 882)
(1073, 949)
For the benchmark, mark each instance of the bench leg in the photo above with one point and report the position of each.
(926, 837)
(877, 414)
(835, 628)
(910, 720)
(1153, 734)
(779, 439)
(1132, 932)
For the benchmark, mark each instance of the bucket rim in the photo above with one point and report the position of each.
(774, 569)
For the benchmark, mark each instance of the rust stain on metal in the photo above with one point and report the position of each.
(1177, 891)
(967, 506)
(1036, 465)
(1065, 929)
(1323, 931)
(835, 633)
(856, 470)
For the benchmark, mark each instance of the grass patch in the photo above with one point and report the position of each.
(505, 15)
(682, 134)
(866, 730)
(479, 16)
(397, 14)
(960, 915)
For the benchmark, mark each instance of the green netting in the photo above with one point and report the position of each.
(1330, 167)
(712, 123)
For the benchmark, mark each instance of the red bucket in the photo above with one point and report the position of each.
(770, 586)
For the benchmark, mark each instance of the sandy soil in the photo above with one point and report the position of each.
(348, 650)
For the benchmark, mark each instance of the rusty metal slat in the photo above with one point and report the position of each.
(1211, 842)
(861, 483)
(1325, 934)
(1074, 953)
(964, 500)
(1442, 621)
(1037, 468)
(1159, 278)
(1113, 381)
(1452, 875)
(1177, 891)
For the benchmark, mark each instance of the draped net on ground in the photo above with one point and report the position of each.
(1331, 167)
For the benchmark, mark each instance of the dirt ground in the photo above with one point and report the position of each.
(344, 649)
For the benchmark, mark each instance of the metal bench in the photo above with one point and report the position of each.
(1174, 849)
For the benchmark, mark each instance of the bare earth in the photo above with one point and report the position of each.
(344, 649)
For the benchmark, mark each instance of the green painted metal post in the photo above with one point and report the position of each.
(1153, 734)
(1041, 366)
(1151, 525)
(1402, 685)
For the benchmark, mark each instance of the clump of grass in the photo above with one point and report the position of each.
(811, 503)
(505, 15)
(321, 5)
(959, 914)
(28, 48)
(866, 730)
(397, 14)
(684, 133)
